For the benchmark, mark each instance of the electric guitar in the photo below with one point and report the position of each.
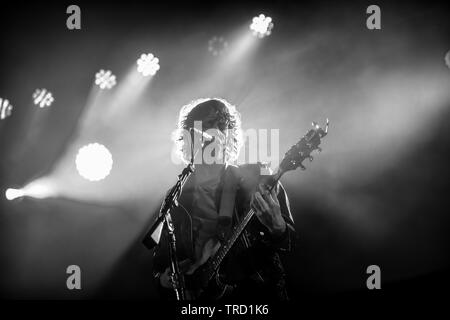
(202, 277)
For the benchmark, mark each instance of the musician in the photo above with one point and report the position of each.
(215, 198)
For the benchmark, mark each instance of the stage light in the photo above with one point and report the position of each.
(105, 79)
(39, 189)
(12, 194)
(148, 64)
(43, 98)
(261, 26)
(217, 45)
(5, 108)
(447, 59)
(94, 162)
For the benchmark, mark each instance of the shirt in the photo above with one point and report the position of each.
(206, 193)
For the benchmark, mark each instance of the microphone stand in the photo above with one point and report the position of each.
(171, 201)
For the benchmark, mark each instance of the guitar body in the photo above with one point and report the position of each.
(199, 286)
(211, 290)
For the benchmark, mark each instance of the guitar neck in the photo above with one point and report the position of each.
(214, 263)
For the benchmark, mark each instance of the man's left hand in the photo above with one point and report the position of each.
(267, 209)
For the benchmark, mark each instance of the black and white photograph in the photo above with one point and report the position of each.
(222, 159)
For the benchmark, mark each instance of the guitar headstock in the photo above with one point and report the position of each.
(302, 150)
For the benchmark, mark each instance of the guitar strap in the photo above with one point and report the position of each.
(227, 201)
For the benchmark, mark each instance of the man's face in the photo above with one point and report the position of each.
(212, 150)
(211, 121)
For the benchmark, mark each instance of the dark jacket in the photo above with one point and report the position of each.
(253, 265)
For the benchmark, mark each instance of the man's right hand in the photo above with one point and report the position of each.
(166, 279)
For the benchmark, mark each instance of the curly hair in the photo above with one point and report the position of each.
(225, 117)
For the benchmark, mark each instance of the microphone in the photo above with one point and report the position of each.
(207, 138)
(205, 135)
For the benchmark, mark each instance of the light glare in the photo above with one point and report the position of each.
(148, 64)
(5, 108)
(12, 194)
(94, 162)
(43, 98)
(39, 189)
(105, 79)
(261, 26)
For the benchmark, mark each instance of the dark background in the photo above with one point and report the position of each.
(377, 195)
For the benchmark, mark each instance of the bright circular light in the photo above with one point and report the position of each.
(94, 162)
(261, 26)
(148, 64)
(217, 45)
(105, 79)
(12, 194)
(43, 98)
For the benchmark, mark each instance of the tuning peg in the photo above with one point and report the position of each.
(311, 158)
